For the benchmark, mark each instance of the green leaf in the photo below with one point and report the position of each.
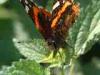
(23, 67)
(86, 31)
(33, 50)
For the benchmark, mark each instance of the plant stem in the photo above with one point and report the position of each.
(71, 72)
(62, 70)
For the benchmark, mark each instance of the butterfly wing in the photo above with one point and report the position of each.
(63, 17)
(54, 27)
(40, 17)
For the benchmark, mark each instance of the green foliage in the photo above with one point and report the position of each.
(19, 37)
(23, 67)
(85, 33)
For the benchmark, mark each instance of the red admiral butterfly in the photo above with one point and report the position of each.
(53, 26)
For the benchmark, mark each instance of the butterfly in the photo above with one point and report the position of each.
(53, 26)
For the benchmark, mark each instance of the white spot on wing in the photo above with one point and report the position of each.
(26, 2)
(26, 8)
(56, 5)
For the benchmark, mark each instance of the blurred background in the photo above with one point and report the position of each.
(15, 23)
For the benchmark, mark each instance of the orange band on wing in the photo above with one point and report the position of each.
(36, 11)
(59, 14)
